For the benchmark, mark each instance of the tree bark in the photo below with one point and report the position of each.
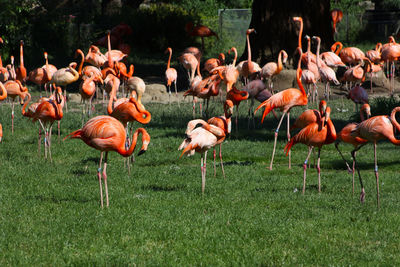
(276, 29)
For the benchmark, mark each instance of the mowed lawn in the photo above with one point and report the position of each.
(50, 213)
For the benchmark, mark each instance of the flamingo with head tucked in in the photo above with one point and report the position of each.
(14, 89)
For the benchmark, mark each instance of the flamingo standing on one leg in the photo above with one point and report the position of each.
(200, 140)
(374, 129)
(285, 100)
(315, 134)
(345, 136)
(170, 74)
(106, 134)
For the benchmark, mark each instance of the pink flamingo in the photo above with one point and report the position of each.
(200, 140)
(285, 100)
(107, 134)
(374, 129)
(328, 75)
(170, 74)
(271, 69)
(345, 136)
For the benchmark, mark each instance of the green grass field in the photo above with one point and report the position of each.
(50, 212)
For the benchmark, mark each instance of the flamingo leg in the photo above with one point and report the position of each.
(176, 93)
(288, 136)
(376, 176)
(354, 171)
(222, 164)
(319, 170)
(203, 178)
(310, 148)
(105, 178)
(169, 94)
(12, 117)
(353, 154)
(65, 98)
(49, 141)
(39, 141)
(276, 138)
(99, 177)
(348, 167)
(215, 171)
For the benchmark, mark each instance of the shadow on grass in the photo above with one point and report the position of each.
(240, 163)
(57, 200)
(163, 188)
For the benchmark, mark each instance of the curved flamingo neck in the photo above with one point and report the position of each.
(82, 60)
(280, 66)
(1, 63)
(127, 152)
(26, 104)
(169, 58)
(395, 124)
(378, 47)
(74, 72)
(3, 92)
(234, 59)
(337, 47)
(112, 95)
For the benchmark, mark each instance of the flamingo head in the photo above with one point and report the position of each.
(228, 107)
(316, 39)
(284, 56)
(45, 55)
(1, 40)
(298, 19)
(367, 109)
(322, 107)
(168, 50)
(250, 31)
(21, 42)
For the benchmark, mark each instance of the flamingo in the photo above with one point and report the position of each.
(199, 31)
(200, 140)
(310, 76)
(40, 76)
(106, 134)
(309, 116)
(315, 134)
(47, 112)
(375, 54)
(50, 70)
(212, 63)
(194, 51)
(11, 69)
(65, 76)
(358, 95)
(170, 74)
(345, 136)
(256, 90)
(285, 100)
(271, 69)
(349, 55)
(189, 63)
(356, 73)
(87, 88)
(391, 53)
(95, 57)
(14, 89)
(4, 75)
(137, 84)
(236, 97)
(21, 71)
(248, 65)
(229, 73)
(113, 55)
(225, 123)
(374, 129)
(336, 15)
(327, 74)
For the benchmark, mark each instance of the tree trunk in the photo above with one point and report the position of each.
(276, 29)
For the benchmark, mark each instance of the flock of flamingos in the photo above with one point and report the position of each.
(112, 132)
